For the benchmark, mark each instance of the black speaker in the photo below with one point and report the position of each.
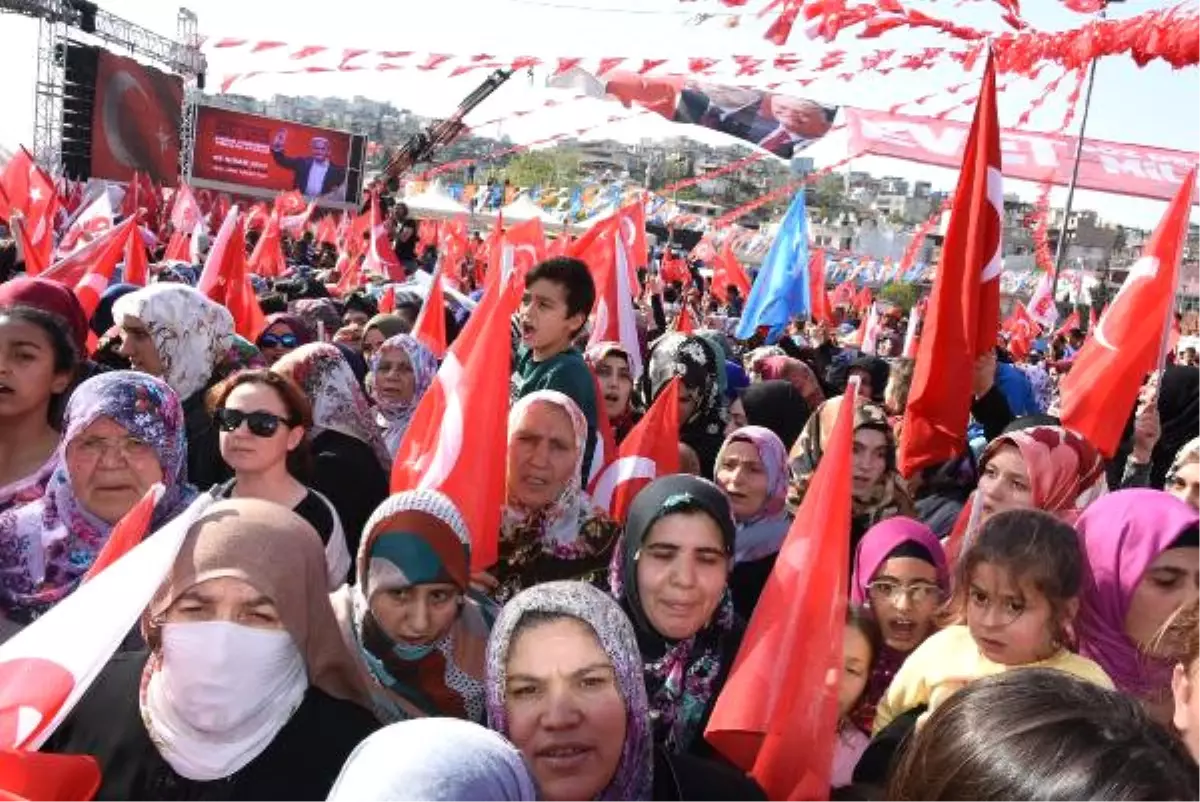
(200, 81)
(358, 146)
(80, 64)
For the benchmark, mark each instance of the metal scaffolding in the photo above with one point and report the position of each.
(187, 32)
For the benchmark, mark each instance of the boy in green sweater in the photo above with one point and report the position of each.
(559, 294)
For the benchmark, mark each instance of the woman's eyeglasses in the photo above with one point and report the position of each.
(916, 593)
(261, 424)
(278, 341)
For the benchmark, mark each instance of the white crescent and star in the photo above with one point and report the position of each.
(1144, 269)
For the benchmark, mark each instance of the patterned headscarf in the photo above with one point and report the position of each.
(695, 361)
(339, 405)
(796, 373)
(191, 333)
(393, 418)
(682, 677)
(47, 546)
(1066, 472)
(318, 313)
(762, 533)
(414, 538)
(634, 777)
(296, 324)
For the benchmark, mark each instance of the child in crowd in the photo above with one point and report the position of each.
(1018, 590)
(559, 294)
(860, 645)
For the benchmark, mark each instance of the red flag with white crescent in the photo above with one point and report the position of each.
(606, 252)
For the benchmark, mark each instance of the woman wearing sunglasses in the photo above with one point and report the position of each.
(284, 333)
(263, 419)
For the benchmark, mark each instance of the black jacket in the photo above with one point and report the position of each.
(347, 472)
(205, 467)
(334, 174)
(678, 777)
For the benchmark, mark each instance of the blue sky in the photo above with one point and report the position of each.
(1153, 105)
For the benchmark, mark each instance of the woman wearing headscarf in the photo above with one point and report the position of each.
(43, 341)
(350, 460)
(1179, 417)
(320, 314)
(702, 411)
(246, 690)
(434, 760)
(777, 405)
(418, 636)
(752, 472)
(677, 553)
(176, 333)
(549, 529)
(123, 432)
(1143, 549)
(565, 685)
(284, 333)
(900, 573)
(1183, 477)
(797, 374)
(380, 328)
(402, 370)
(613, 368)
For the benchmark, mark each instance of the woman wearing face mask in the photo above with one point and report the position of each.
(284, 334)
(263, 419)
(176, 333)
(550, 529)
(702, 412)
(611, 364)
(350, 461)
(565, 686)
(1143, 548)
(402, 370)
(1183, 477)
(900, 573)
(247, 691)
(672, 580)
(752, 473)
(42, 341)
(420, 640)
(123, 431)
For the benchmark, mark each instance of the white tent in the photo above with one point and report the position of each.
(525, 209)
(434, 202)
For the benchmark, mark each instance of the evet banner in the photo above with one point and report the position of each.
(1103, 166)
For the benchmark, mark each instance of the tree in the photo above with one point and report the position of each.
(904, 296)
(829, 195)
(543, 167)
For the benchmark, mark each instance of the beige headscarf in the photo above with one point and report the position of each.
(276, 551)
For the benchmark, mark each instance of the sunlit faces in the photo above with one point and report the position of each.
(737, 417)
(682, 572)
(616, 384)
(1168, 584)
(247, 452)
(138, 347)
(417, 614)
(856, 668)
(371, 342)
(395, 381)
(1011, 622)
(546, 328)
(870, 460)
(904, 598)
(1004, 483)
(743, 477)
(110, 469)
(225, 599)
(542, 456)
(1184, 483)
(27, 375)
(565, 711)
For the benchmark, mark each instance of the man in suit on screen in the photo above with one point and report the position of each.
(313, 175)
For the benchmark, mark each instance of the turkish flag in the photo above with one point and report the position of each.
(674, 269)
(963, 316)
(430, 327)
(843, 294)
(179, 248)
(291, 202)
(137, 263)
(1131, 336)
(293, 224)
(128, 532)
(650, 450)
(39, 775)
(46, 667)
(471, 386)
(1072, 322)
(26, 189)
(606, 252)
(350, 270)
(911, 339)
(727, 271)
(93, 221)
(226, 281)
(327, 231)
(185, 212)
(776, 717)
(34, 258)
(387, 301)
(633, 236)
(268, 259)
(821, 311)
(685, 323)
(863, 300)
(606, 440)
(513, 254)
(89, 270)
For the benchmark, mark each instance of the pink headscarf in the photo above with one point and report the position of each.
(881, 540)
(800, 376)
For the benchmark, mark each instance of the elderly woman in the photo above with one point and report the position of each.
(176, 333)
(123, 432)
(247, 691)
(672, 579)
(702, 412)
(420, 640)
(550, 529)
(565, 686)
(402, 370)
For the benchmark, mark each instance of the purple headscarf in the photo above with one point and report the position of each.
(763, 533)
(298, 325)
(1123, 533)
(883, 538)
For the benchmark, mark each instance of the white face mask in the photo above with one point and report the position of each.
(223, 692)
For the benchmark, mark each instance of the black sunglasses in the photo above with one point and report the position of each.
(261, 424)
(278, 341)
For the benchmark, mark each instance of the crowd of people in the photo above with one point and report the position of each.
(1021, 621)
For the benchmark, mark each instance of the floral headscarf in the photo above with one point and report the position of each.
(320, 370)
(47, 546)
(1066, 472)
(393, 418)
(634, 777)
(796, 373)
(191, 333)
(318, 313)
(697, 364)
(762, 534)
(682, 677)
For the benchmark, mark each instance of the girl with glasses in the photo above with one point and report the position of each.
(263, 421)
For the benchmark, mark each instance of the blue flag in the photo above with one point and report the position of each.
(780, 291)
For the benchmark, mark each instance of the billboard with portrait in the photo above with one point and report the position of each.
(135, 121)
(263, 156)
